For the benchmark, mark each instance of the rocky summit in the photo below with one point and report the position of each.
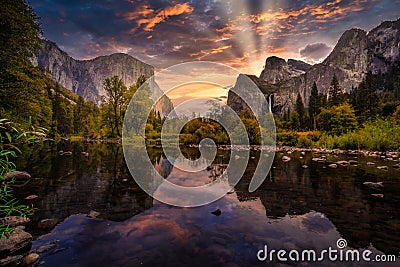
(356, 53)
(86, 77)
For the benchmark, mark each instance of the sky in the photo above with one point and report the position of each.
(238, 33)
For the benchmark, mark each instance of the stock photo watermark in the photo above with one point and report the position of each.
(195, 74)
(340, 253)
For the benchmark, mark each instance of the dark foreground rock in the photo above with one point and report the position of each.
(18, 243)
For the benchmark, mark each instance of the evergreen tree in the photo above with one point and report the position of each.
(22, 89)
(365, 98)
(314, 105)
(300, 111)
(335, 95)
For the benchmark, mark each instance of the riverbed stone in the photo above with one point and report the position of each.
(93, 214)
(31, 197)
(18, 241)
(47, 223)
(30, 259)
(17, 176)
(14, 221)
(286, 158)
(383, 168)
(333, 166)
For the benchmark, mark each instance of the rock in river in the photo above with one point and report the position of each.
(286, 158)
(30, 259)
(17, 242)
(217, 212)
(378, 185)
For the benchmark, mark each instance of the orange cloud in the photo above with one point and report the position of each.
(159, 17)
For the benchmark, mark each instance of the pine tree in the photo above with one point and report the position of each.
(365, 98)
(22, 89)
(335, 95)
(314, 105)
(300, 110)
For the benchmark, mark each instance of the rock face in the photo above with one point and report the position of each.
(384, 46)
(278, 70)
(86, 77)
(356, 53)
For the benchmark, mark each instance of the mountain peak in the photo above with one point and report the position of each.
(278, 70)
(86, 77)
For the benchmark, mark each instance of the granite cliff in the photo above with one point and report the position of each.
(85, 77)
(356, 53)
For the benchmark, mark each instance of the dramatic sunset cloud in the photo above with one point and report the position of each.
(241, 34)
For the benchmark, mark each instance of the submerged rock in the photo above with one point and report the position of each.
(286, 159)
(333, 166)
(383, 168)
(377, 195)
(47, 223)
(217, 212)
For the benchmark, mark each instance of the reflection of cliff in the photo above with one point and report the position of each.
(359, 217)
(77, 184)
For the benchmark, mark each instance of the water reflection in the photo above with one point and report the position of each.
(294, 208)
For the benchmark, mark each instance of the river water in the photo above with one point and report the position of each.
(296, 208)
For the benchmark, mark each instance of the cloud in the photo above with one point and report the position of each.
(315, 52)
(159, 17)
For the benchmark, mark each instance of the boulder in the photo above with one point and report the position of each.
(383, 168)
(286, 159)
(333, 166)
(17, 242)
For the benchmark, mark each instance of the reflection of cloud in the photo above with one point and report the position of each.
(315, 52)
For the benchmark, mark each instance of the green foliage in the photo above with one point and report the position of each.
(12, 135)
(299, 108)
(365, 98)
(294, 121)
(335, 95)
(286, 139)
(22, 89)
(337, 120)
(114, 104)
(314, 106)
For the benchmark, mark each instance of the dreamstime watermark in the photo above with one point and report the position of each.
(187, 79)
(338, 254)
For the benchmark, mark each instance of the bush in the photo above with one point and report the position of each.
(338, 120)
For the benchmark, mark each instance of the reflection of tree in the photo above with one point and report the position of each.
(340, 196)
